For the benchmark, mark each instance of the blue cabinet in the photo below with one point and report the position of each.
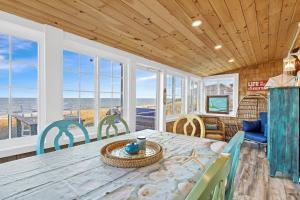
(283, 131)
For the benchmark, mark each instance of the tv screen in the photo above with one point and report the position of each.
(217, 104)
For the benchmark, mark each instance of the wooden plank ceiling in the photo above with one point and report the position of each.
(250, 31)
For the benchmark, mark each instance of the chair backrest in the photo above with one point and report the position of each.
(190, 121)
(63, 128)
(110, 121)
(211, 184)
(249, 108)
(233, 148)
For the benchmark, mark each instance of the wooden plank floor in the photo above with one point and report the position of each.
(252, 180)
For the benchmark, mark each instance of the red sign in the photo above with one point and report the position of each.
(256, 85)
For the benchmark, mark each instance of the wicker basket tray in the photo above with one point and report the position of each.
(114, 154)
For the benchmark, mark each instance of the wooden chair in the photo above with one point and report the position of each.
(110, 121)
(190, 121)
(215, 134)
(211, 185)
(233, 148)
(63, 127)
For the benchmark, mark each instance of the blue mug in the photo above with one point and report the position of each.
(132, 148)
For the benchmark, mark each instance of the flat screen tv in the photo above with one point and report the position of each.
(217, 104)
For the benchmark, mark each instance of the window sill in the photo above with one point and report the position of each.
(219, 115)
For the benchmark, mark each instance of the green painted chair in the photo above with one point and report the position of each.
(211, 185)
(63, 127)
(110, 121)
(233, 148)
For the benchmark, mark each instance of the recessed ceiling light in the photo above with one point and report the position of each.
(231, 60)
(218, 46)
(196, 23)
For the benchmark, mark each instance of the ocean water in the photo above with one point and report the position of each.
(27, 105)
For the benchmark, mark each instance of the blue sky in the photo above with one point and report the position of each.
(24, 73)
(24, 66)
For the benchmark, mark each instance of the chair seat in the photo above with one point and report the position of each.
(214, 136)
(256, 136)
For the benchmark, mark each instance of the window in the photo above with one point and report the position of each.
(79, 91)
(18, 87)
(174, 95)
(194, 91)
(222, 85)
(111, 87)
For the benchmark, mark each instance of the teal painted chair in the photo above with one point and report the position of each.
(233, 148)
(110, 121)
(62, 126)
(211, 185)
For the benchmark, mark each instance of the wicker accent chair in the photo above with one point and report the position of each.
(252, 113)
(249, 108)
(216, 134)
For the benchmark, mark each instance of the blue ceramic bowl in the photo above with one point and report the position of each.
(132, 148)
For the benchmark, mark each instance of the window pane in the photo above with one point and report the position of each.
(87, 108)
(211, 88)
(79, 88)
(117, 87)
(21, 109)
(71, 61)
(23, 112)
(4, 60)
(117, 69)
(87, 82)
(169, 87)
(86, 64)
(71, 80)
(105, 68)
(106, 84)
(24, 63)
(110, 86)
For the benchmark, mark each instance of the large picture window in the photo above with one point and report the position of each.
(174, 95)
(111, 87)
(79, 90)
(222, 86)
(18, 87)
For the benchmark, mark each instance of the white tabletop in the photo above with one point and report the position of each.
(79, 173)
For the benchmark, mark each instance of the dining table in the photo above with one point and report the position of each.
(79, 173)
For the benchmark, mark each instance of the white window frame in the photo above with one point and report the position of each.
(158, 120)
(80, 73)
(189, 109)
(175, 115)
(122, 83)
(33, 34)
(235, 94)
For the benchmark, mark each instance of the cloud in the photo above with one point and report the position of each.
(20, 65)
(147, 78)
